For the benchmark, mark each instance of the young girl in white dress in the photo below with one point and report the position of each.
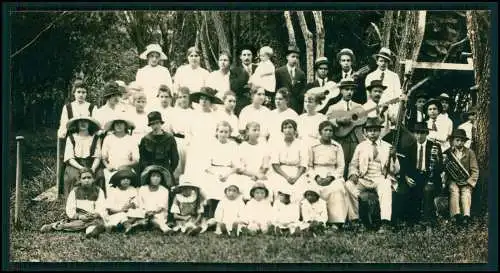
(139, 117)
(256, 112)
(258, 213)
(229, 211)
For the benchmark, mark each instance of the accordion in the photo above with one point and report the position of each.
(454, 168)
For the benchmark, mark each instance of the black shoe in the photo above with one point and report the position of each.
(466, 221)
(457, 220)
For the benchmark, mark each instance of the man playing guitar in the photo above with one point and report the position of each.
(321, 80)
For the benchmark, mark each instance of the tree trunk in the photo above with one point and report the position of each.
(203, 43)
(388, 21)
(320, 34)
(478, 31)
(412, 36)
(235, 30)
(308, 37)
(289, 27)
(221, 33)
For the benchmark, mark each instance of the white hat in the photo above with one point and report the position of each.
(122, 117)
(153, 48)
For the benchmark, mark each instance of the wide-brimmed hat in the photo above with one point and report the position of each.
(385, 53)
(319, 61)
(420, 127)
(231, 185)
(346, 51)
(94, 125)
(311, 188)
(259, 185)
(208, 92)
(437, 102)
(445, 97)
(167, 177)
(347, 82)
(111, 89)
(119, 117)
(376, 83)
(292, 49)
(184, 182)
(458, 133)
(154, 117)
(123, 172)
(153, 48)
(373, 122)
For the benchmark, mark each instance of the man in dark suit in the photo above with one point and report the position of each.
(293, 78)
(424, 176)
(346, 59)
(239, 76)
(320, 80)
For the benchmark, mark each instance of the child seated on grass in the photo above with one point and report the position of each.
(257, 215)
(187, 207)
(313, 211)
(84, 208)
(153, 197)
(229, 211)
(121, 202)
(286, 214)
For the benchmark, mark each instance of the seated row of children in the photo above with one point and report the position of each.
(127, 207)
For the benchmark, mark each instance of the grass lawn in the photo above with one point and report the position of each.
(445, 244)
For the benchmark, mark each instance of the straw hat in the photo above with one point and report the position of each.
(94, 125)
(123, 172)
(130, 124)
(376, 83)
(184, 182)
(347, 82)
(153, 48)
(384, 53)
(167, 177)
(346, 51)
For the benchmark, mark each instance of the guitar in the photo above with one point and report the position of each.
(358, 117)
(331, 89)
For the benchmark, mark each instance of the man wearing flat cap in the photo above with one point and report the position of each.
(346, 59)
(293, 78)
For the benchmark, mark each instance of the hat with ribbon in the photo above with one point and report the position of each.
(385, 53)
(376, 83)
(347, 82)
(153, 48)
(111, 89)
(184, 182)
(207, 92)
(118, 117)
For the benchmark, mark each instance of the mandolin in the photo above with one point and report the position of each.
(331, 89)
(358, 117)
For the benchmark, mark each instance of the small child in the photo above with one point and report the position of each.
(139, 117)
(313, 211)
(153, 197)
(229, 211)
(264, 74)
(116, 148)
(286, 213)
(187, 207)
(257, 215)
(121, 202)
(77, 108)
(84, 208)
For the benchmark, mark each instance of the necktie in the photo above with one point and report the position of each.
(375, 151)
(345, 75)
(292, 75)
(348, 108)
(382, 76)
(377, 110)
(420, 157)
(434, 127)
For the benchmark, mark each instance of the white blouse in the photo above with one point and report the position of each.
(258, 211)
(229, 211)
(276, 118)
(89, 206)
(314, 212)
(295, 154)
(252, 156)
(119, 150)
(81, 148)
(153, 200)
(194, 79)
(219, 81)
(250, 113)
(118, 198)
(150, 78)
(308, 126)
(222, 154)
(285, 214)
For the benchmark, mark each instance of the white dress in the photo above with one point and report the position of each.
(118, 198)
(286, 215)
(229, 212)
(308, 127)
(194, 79)
(118, 152)
(276, 118)
(258, 214)
(262, 116)
(219, 81)
(141, 125)
(252, 158)
(154, 200)
(150, 78)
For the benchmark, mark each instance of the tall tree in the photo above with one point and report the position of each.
(221, 33)
(308, 37)
(289, 27)
(320, 34)
(479, 33)
(387, 27)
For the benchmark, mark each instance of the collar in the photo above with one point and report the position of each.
(288, 67)
(348, 72)
(320, 79)
(423, 144)
(378, 142)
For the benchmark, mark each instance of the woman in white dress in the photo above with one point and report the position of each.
(219, 79)
(281, 113)
(309, 121)
(151, 76)
(191, 75)
(256, 112)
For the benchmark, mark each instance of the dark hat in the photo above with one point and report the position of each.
(459, 133)
(320, 61)
(373, 122)
(208, 92)
(420, 127)
(167, 177)
(385, 53)
(111, 89)
(346, 51)
(246, 47)
(123, 172)
(259, 185)
(376, 83)
(346, 83)
(94, 125)
(153, 117)
(445, 97)
(292, 49)
(437, 102)
(311, 188)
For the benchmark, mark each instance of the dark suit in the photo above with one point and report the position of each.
(359, 95)
(297, 90)
(238, 80)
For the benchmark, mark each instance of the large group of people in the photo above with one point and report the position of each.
(253, 148)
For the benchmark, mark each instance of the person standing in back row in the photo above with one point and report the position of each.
(346, 59)
(293, 78)
(239, 76)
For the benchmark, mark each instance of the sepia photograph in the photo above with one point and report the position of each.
(272, 134)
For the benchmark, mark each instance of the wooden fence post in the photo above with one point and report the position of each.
(19, 165)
